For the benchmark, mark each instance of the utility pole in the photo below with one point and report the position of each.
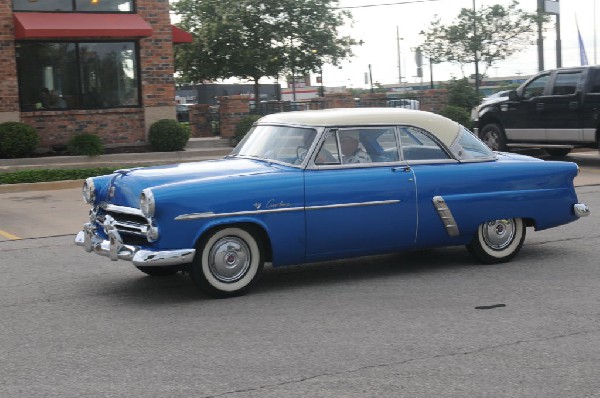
(540, 41)
(477, 46)
(399, 54)
(595, 59)
(558, 42)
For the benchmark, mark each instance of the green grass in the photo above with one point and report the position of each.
(45, 175)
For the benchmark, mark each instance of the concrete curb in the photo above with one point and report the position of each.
(118, 160)
(40, 186)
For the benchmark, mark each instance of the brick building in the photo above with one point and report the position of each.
(94, 66)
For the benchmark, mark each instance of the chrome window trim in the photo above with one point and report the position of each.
(205, 215)
(432, 161)
(464, 130)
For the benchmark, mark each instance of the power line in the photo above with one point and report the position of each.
(390, 4)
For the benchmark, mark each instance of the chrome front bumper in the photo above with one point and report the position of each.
(581, 210)
(115, 249)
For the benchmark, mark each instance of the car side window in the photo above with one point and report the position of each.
(329, 153)
(536, 87)
(358, 145)
(418, 145)
(566, 83)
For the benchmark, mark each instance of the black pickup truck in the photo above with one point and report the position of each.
(556, 110)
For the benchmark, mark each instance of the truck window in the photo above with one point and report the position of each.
(536, 87)
(566, 83)
(595, 81)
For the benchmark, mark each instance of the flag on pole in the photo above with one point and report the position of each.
(582, 55)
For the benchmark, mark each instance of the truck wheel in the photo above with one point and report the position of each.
(493, 136)
(498, 241)
(227, 262)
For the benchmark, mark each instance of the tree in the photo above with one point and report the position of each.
(487, 36)
(251, 39)
(461, 94)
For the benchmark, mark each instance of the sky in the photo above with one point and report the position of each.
(377, 26)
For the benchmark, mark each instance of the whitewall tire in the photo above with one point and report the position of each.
(498, 241)
(227, 262)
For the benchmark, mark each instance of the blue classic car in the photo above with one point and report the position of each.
(321, 185)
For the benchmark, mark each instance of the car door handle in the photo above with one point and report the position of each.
(404, 169)
(539, 106)
(573, 105)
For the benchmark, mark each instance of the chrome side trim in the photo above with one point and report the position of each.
(589, 135)
(360, 204)
(446, 215)
(581, 210)
(210, 214)
(197, 216)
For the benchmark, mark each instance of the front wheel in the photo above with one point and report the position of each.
(493, 136)
(498, 241)
(227, 262)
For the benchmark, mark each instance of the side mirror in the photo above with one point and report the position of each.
(513, 96)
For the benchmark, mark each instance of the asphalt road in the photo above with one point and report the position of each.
(422, 324)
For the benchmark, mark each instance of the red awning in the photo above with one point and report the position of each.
(46, 25)
(181, 36)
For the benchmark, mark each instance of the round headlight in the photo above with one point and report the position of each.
(147, 205)
(89, 191)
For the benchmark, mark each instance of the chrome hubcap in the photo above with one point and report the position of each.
(498, 234)
(229, 259)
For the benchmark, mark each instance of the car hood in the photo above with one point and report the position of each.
(126, 185)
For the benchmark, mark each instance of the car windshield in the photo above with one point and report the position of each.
(468, 147)
(276, 143)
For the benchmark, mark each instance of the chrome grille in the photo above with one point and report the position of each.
(129, 222)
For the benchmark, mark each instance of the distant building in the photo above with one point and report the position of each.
(75, 66)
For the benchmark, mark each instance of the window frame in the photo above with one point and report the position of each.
(450, 159)
(75, 10)
(558, 79)
(80, 93)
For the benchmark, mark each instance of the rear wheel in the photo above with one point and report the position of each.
(498, 241)
(558, 151)
(227, 262)
(493, 136)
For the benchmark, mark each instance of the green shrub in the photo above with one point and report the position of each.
(17, 140)
(167, 135)
(45, 175)
(85, 144)
(458, 114)
(243, 127)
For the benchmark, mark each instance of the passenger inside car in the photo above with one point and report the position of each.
(352, 152)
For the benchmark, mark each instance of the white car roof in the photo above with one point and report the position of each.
(443, 128)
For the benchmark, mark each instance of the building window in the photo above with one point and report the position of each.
(74, 5)
(77, 75)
